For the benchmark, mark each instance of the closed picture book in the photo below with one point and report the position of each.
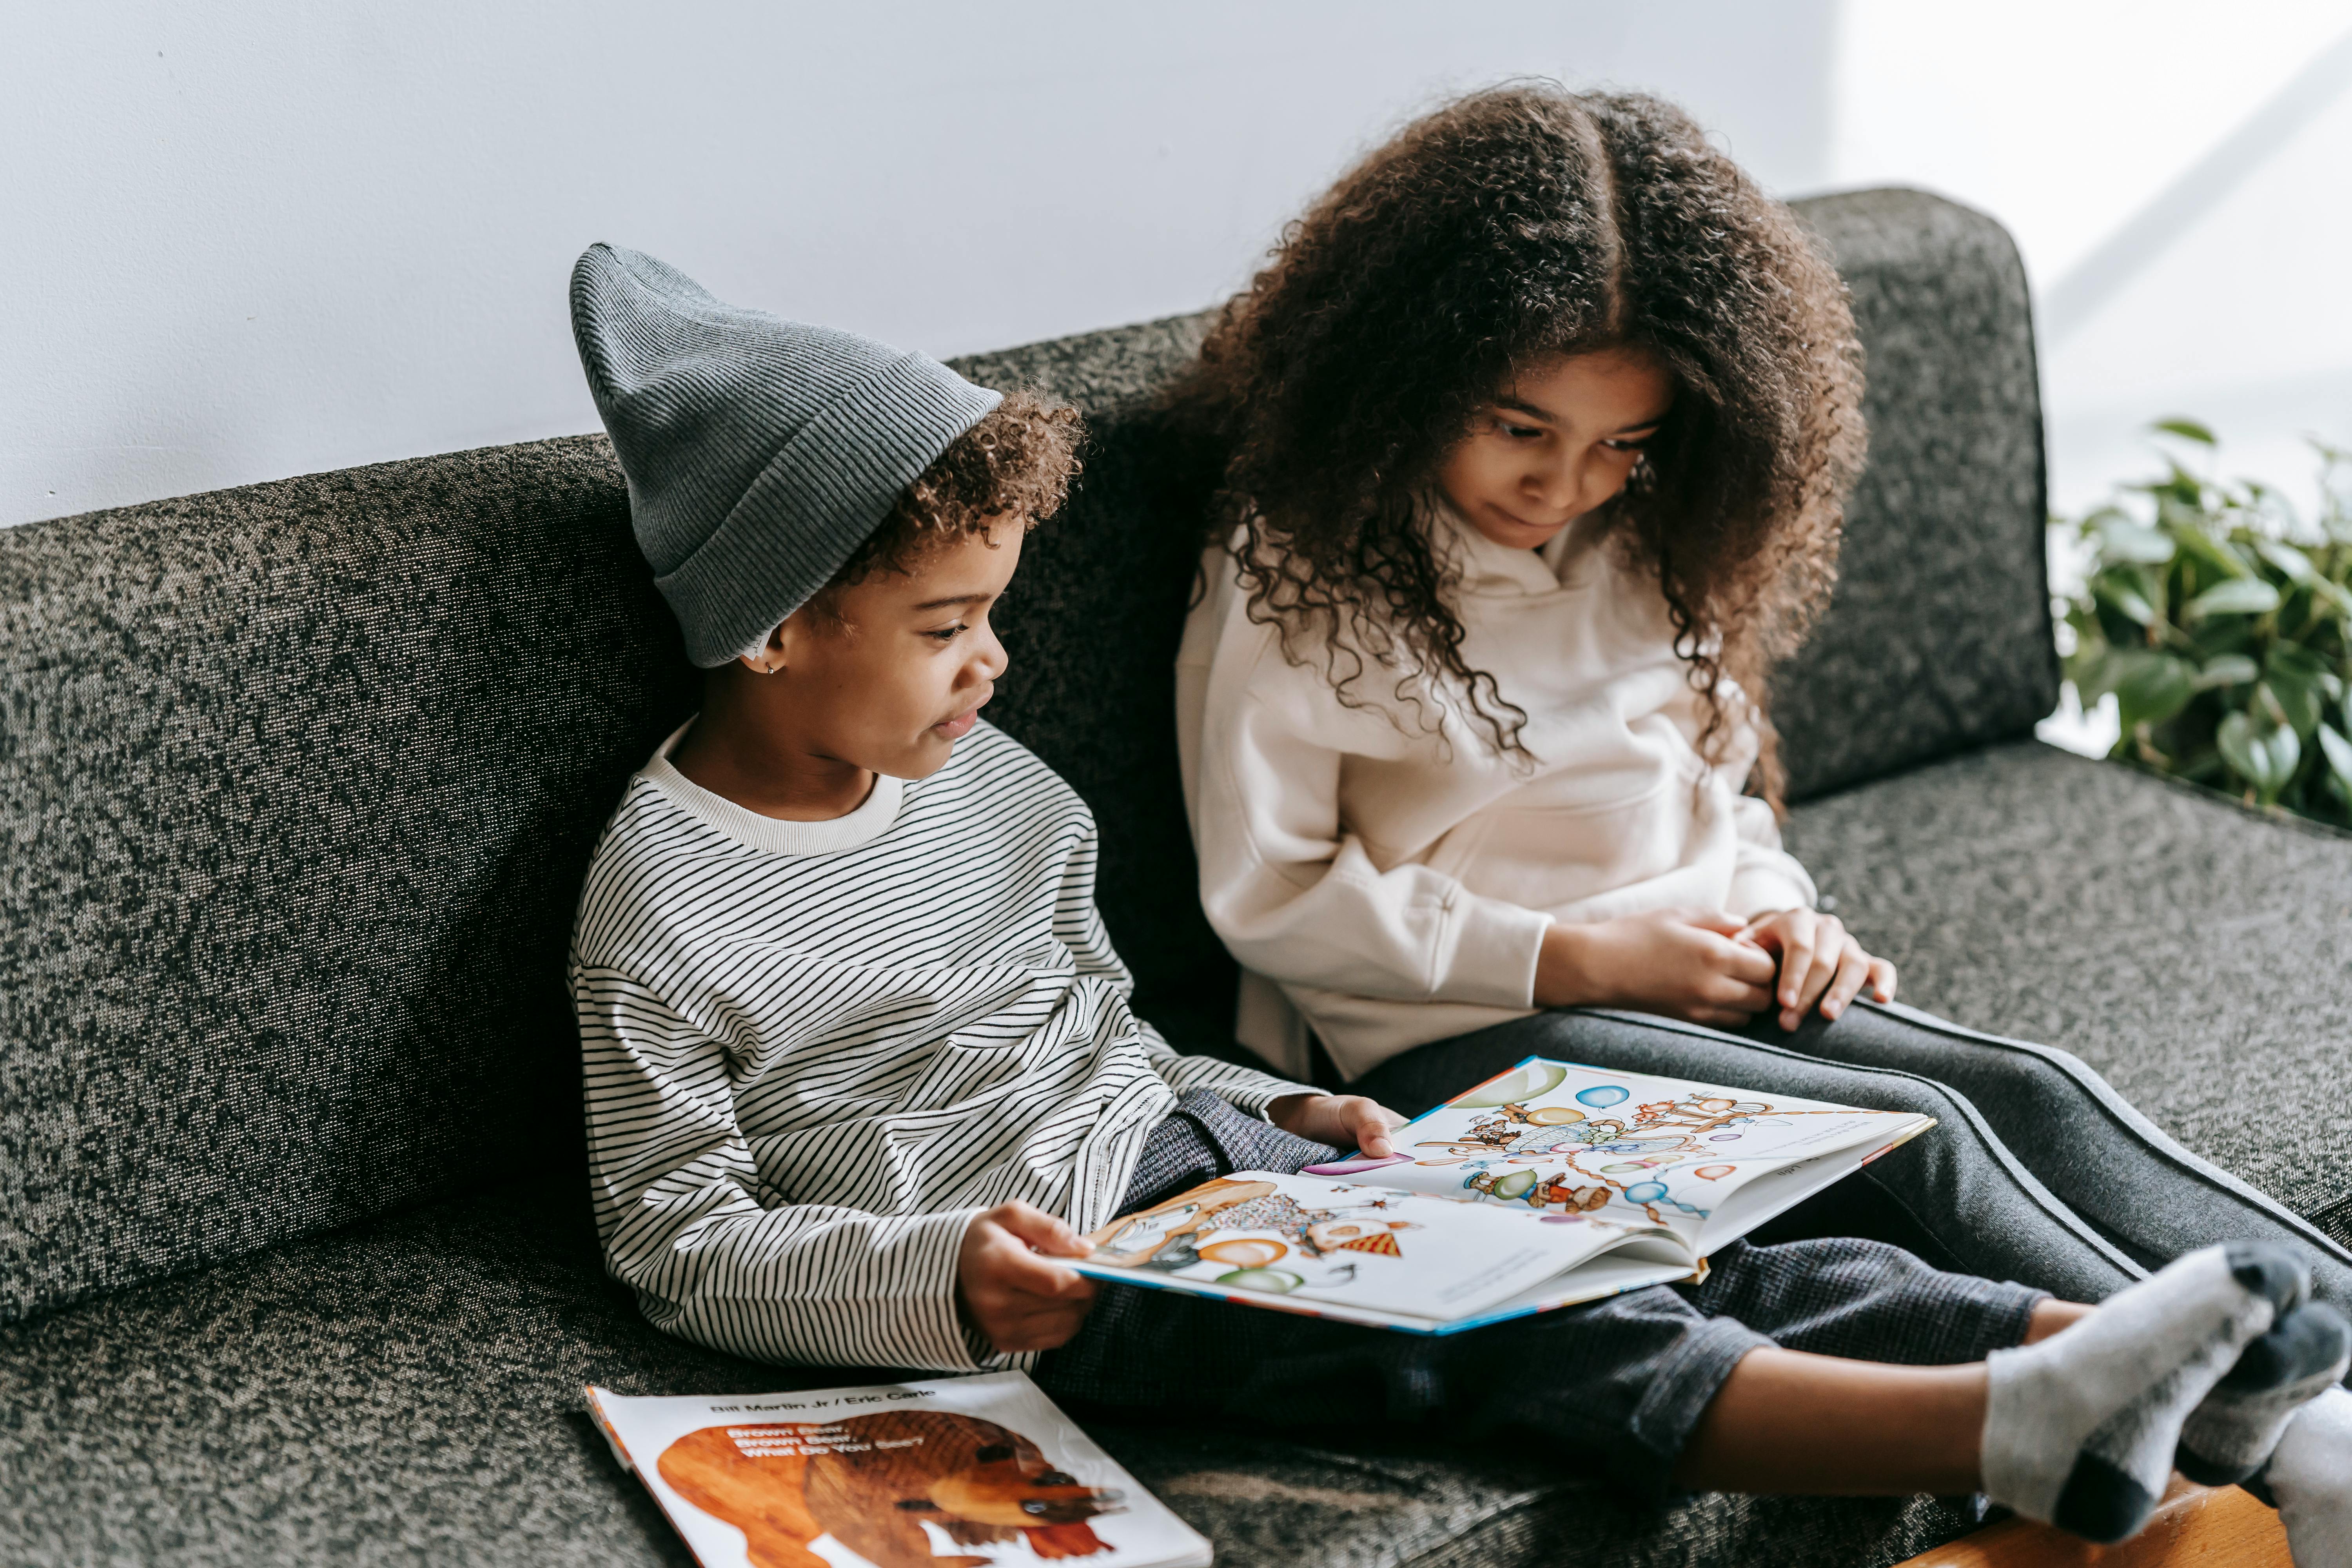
(1546, 1185)
(969, 1471)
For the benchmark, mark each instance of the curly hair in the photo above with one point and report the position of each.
(1017, 462)
(1500, 232)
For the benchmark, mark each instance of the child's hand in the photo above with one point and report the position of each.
(1684, 964)
(1342, 1121)
(1820, 963)
(1020, 1302)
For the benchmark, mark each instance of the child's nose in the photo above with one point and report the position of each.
(989, 660)
(1561, 483)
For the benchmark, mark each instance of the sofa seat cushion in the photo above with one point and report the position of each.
(407, 1390)
(2196, 952)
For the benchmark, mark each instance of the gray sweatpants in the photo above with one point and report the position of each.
(2037, 1168)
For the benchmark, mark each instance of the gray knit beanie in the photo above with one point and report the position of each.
(761, 453)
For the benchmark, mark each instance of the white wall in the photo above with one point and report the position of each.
(257, 237)
(2178, 176)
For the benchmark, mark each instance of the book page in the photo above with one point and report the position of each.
(964, 1468)
(1560, 1137)
(1360, 1253)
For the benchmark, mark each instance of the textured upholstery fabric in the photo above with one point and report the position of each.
(297, 785)
(1937, 637)
(408, 1391)
(2196, 952)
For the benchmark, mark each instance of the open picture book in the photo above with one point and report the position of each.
(951, 1469)
(1548, 1185)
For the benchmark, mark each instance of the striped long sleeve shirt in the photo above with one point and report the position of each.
(814, 1051)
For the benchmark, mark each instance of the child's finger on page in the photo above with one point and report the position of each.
(1041, 1230)
(1036, 1276)
(1882, 980)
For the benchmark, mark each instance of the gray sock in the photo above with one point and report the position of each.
(2309, 1481)
(2080, 1428)
(2230, 1435)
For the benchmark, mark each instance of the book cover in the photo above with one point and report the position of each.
(971, 1472)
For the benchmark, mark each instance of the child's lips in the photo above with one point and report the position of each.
(957, 728)
(1518, 521)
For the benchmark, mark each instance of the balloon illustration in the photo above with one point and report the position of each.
(1711, 1172)
(1602, 1095)
(1281, 1282)
(1518, 1086)
(1245, 1252)
(1554, 1116)
(1723, 1138)
(1646, 1192)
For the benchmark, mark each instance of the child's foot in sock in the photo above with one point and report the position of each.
(2230, 1437)
(2080, 1428)
(2309, 1481)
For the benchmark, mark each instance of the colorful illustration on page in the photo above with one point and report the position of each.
(1266, 1239)
(1588, 1148)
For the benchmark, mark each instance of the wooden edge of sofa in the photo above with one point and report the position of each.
(2221, 1527)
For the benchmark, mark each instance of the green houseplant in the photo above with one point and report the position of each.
(2222, 626)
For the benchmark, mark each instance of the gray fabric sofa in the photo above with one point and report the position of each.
(297, 783)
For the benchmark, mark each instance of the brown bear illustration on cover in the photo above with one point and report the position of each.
(872, 1482)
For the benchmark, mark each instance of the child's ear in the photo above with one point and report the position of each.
(774, 653)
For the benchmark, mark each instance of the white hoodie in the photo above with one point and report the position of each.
(1392, 873)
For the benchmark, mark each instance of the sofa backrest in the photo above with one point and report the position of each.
(298, 781)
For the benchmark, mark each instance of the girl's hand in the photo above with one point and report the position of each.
(1684, 964)
(1820, 963)
(1342, 1121)
(1012, 1296)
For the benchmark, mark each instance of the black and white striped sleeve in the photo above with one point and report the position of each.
(679, 1211)
(1078, 922)
(1246, 1087)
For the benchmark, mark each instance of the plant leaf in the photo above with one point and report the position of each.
(2228, 670)
(2266, 756)
(2338, 752)
(2124, 600)
(2287, 559)
(2240, 596)
(2294, 662)
(2187, 430)
(2189, 532)
(2151, 686)
(2292, 701)
(2121, 539)
(2095, 671)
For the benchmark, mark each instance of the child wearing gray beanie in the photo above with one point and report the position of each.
(760, 452)
(856, 1041)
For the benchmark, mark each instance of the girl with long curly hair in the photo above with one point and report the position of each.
(1538, 430)
(1540, 426)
